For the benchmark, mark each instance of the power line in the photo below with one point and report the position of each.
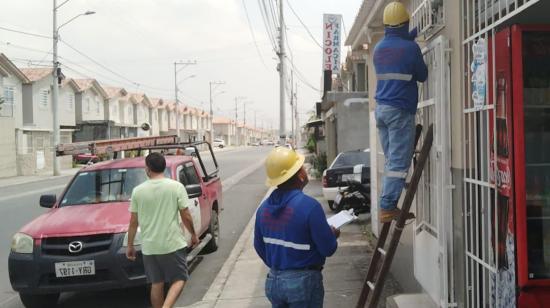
(269, 27)
(253, 35)
(303, 24)
(113, 72)
(26, 33)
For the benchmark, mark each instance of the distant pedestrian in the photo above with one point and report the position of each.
(399, 66)
(292, 235)
(155, 207)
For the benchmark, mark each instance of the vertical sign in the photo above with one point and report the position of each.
(332, 41)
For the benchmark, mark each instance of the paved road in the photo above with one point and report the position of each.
(19, 205)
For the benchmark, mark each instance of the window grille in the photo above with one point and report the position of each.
(6, 109)
(488, 283)
(428, 16)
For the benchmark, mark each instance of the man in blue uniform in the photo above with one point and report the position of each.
(292, 235)
(399, 66)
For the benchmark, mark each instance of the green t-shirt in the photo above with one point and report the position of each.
(157, 204)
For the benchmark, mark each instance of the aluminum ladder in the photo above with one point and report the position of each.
(382, 257)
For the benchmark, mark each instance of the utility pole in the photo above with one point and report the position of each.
(184, 64)
(55, 89)
(297, 134)
(237, 98)
(211, 111)
(292, 104)
(282, 126)
(55, 83)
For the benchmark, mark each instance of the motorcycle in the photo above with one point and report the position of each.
(356, 196)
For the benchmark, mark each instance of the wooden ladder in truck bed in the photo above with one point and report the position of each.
(383, 257)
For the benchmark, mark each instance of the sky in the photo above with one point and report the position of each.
(134, 44)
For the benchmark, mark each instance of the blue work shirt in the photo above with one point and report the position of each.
(292, 232)
(399, 65)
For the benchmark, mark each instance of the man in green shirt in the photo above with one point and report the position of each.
(156, 205)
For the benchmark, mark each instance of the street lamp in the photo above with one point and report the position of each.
(183, 65)
(216, 84)
(55, 83)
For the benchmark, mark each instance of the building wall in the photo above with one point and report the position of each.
(92, 106)
(67, 106)
(8, 158)
(142, 114)
(163, 120)
(154, 120)
(42, 113)
(115, 113)
(36, 155)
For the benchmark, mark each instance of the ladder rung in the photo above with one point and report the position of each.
(371, 285)
(382, 251)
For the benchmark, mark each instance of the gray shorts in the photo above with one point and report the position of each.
(166, 268)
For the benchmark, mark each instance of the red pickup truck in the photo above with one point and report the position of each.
(79, 244)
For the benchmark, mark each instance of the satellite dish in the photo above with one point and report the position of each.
(145, 126)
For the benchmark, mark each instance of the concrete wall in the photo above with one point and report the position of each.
(142, 114)
(8, 158)
(37, 155)
(163, 120)
(154, 120)
(353, 124)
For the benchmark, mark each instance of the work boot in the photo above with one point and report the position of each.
(389, 215)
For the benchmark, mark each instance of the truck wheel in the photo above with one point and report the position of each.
(39, 300)
(214, 230)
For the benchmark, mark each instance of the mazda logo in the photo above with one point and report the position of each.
(76, 247)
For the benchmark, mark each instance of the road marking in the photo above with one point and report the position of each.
(32, 192)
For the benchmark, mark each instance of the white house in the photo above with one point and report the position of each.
(35, 134)
(141, 110)
(163, 117)
(67, 105)
(154, 116)
(91, 111)
(11, 114)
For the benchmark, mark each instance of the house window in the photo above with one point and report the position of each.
(9, 95)
(70, 102)
(97, 106)
(130, 113)
(44, 98)
(88, 105)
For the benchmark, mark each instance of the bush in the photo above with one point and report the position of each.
(319, 164)
(311, 145)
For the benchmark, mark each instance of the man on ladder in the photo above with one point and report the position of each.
(399, 65)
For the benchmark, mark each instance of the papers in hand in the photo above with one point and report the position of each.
(342, 218)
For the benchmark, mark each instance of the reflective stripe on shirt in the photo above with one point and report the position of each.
(274, 241)
(394, 76)
(396, 174)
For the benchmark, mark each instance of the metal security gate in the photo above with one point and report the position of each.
(489, 282)
(433, 226)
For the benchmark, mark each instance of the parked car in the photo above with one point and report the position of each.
(220, 143)
(85, 158)
(347, 166)
(79, 244)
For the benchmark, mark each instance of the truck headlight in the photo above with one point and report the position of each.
(137, 238)
(22, 243)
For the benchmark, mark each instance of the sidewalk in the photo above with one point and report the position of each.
(240, 283)
(43, 176)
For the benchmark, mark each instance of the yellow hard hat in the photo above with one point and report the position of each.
(281, 164)
(395, 14)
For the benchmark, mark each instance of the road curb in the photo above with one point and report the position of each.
(213, 294)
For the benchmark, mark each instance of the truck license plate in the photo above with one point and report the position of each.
(75, 268)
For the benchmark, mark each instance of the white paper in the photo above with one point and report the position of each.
(342, 218)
